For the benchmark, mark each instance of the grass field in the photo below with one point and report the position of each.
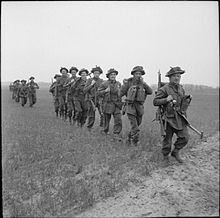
(51, 168)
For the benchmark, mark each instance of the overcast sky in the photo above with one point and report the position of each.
(37, 38)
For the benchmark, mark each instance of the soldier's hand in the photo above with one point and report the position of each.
(107, 89)
(169, 98)
(93, 82)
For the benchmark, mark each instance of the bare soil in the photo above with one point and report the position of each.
(189, 189)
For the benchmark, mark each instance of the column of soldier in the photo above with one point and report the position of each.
(76, 98)
(21, 91)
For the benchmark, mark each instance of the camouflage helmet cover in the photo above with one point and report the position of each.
(63, 68)
(83, 70)
(31, 77)
(111, 70)
(138, 68)
(174, 70)
(23, 80)
(96, 68)
(73, 68)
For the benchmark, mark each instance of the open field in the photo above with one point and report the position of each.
(53, 169)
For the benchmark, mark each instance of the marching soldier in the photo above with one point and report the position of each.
(136, 91)
(16, 91)
(13, 90)
(112, 104)
(92, 99)
(23, 92)
(32, 91)
(62, 92)
(53, 90)
(172, 97)
(69, 93)
(79, 98)
(11, 87)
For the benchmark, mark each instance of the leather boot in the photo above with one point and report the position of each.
(176, 155)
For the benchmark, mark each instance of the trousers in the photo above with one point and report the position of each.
(117, 122)
(181, 141)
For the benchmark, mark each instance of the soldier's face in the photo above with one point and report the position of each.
(137, 75)
(63, 71)
(83, 75)
(73, 73)
(96, 74)
(112, 76)
(175, 78)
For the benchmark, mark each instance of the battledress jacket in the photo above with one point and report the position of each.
(32, 87)
(111, 100)
(52, 88)
(172, 114)
(91, 91)
(78, 89)
(68, 85)
(23, 91)
(136, 107)
(61, 81)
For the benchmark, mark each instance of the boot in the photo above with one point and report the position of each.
(117, 137)
(56, 113)
(166, 161)
(176, 155)
(135, 140)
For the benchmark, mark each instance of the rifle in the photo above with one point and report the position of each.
(159, 112)
(187, 122)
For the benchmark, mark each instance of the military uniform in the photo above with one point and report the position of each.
(16, 91)
(175, 123)
(11, 87)
(32, 92)
(61, 94)
(92, 99)
(23, 93)
(69, 95)
(53, 90)
(13, 90)
(79, 100)
(112, 103)
(136, 91)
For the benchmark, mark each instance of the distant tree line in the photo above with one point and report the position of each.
(191, 88)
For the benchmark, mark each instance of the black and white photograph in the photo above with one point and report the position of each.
(110, 109)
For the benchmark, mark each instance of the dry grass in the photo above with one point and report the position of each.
(53, 168)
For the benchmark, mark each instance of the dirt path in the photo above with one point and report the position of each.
(190, 189)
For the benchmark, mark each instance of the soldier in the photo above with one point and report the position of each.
(16, 91)
(69, 93)
(136, 91)
(13, 90)
(32, 86)
(62, 92)
(112, 104)
(11, 87)
(23, 92)
(53, 90)
(172, 96)
(79, 98)
(92, 99)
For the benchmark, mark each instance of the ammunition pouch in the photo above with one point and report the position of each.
(141, 96)
(132, 93)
